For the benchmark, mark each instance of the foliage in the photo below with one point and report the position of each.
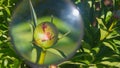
(8, 57)
(100, 47)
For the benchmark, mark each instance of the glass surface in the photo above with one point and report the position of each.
(46, 32)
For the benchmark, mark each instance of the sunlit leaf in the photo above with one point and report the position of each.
(108, 16)
(112, 25)
(7, 10)
(95, 50)
(108, 45)
(103, 29)
(112, 64)
(117, 42)
(113, 34)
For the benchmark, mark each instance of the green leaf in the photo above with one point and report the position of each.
(103, 29)
(95, 50)
(113, 35)
(86, 45)
(57, 52)
(101, 24)
(112, 61)
(5, 62)
(82, 57)
(16, 63)
(7, 10)
(1, 13)
(103, 33)
(108, 16)
(34, 55)
(108, 45)
(115, 47)
(116, 42)
(105, 51)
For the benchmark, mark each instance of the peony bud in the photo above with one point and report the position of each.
(45, 35)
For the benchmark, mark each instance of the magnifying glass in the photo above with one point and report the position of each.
(46, 32)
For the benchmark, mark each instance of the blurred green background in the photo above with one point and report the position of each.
(23, 40)
(100, 45)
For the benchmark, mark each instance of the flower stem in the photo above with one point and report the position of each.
(42, 57)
